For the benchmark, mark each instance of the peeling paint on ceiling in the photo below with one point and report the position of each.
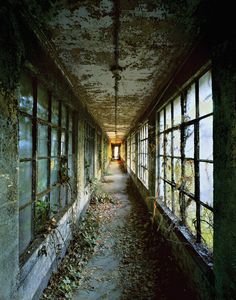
(152, 40)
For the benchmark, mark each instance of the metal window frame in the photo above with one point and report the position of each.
(143, 154)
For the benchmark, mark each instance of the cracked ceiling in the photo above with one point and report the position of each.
(119, 54)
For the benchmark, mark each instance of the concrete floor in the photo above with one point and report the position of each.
(126, 265)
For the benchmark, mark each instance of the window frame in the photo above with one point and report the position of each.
(143, 163)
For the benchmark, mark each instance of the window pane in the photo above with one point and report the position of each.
(161, 124)
(25, 137)
(190, 108)
(42, 175)
(54, 166)
(169, 196)
(189, 142)
(168, 143)
(42, 209)
(189, 178)
(207, 227)
(63, 143)
(63, 116)
(25, 217)
(161, 143)
(190, 213)
(26, 94)
(177, 204)
(54, 142)
(25, 182)
(168, 169)
(54, 201)
(161, 167)
(176, 142)
(205, 94)
(177, 172)
(168, 116)
(42, 140)
(70, 144)
(70, 121)
(70, 166)
(63, 195)
(206, 138)
(161, 190)
(55, 111)
(42, 105)
(177, 111)
(206, 183)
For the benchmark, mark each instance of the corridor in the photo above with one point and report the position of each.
(130, 261)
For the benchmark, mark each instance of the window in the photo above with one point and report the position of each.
(46, 164)
(143, 154)
(133, 154)
(128, 153)
(99, 150)
(185, 158)
(89, 152)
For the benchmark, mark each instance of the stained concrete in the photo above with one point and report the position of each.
(128, 261)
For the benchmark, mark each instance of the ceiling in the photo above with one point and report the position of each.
(120, 53)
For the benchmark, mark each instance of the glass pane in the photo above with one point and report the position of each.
(63, 195)
(168, 169)
(177, 204)
(176, 143)
(54, 201)
(177, 111)
(70, 166)
(206, 138)
(42, 209)
(25, 137)
(169, 196)
(205, 94)
(190, 213)
(26, 94)
(206, 183)
(189, 141)
(42, 140)
(63, 116)
(168, 116)
(168, 143)
(207, 227)
(161, 167)
(161, 124)
(70, 144)
(70, 121)
(189, 177)
(190, 106)
(177, 172)
(25, 217)
(55, 111)
(63, 143)
(42, 175)
(42, 105)
(161, 190)
(161, 141)
(54, 142)
(25, 182)
(54, 167)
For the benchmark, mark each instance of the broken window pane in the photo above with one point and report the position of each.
(189, 141)
(177, 172)
(26, 94)
(55, 111)
(54, 142)
(54, 201)
(162, 123)
(190, 105)
(25, 137)
(205, 94)
(206, 183)
(168, 168)
(42, 140)
(63, 116)
(206, 138)
(207, 227)
(176, 142)
(25, 217)
(42, 105)
(169, 196)
(54, 166)
(25, 182)
(42, 175)
(190, 214)
(189, 178)
(177, 111)
(63, 143)
(168, 116)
